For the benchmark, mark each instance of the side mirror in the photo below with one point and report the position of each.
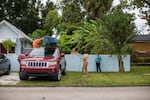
(26, 54)
(22, 56)
(62, 54)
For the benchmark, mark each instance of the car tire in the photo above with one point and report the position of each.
(8, 71)
(64, 71)
(23, 76)
(58, 76)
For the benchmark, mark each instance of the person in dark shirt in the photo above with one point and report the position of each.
(98, 62)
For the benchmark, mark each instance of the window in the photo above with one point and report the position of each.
(4, 51)
(12, 50)
(49, 51)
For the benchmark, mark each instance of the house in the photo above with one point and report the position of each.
(141, 47)
(141, 43)
(9, 31)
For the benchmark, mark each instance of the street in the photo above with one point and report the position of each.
(75, 93)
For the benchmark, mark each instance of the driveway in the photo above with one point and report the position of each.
(11, 79)
(74, 93)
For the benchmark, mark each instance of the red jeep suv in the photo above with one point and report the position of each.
(44, 61)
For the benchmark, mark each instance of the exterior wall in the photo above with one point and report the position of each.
(18, 47)
(74, 63)
(108, 64)
(13, 61)
(141, 47)
(6, 32)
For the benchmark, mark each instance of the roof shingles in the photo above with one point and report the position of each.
(142, 38)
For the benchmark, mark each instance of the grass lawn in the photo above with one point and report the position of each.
(138, 76)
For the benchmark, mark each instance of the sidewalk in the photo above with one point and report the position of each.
(11, 79)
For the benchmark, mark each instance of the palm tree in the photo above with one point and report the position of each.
(89, 37)
(118, 29)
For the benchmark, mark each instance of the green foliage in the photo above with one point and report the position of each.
(24, 14)
(51, 21)
(96, 8)
(75, 12)
(81, 36)
(65, 43)
(38, 32)
(89, 37)
(49, 5)
(70, 27)
(84, 35)
(72, 12)
(141, 5)
(72, 15)
(119, 29)
(59, 28)
(7, 44)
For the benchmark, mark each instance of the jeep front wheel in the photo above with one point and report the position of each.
(23, 76)
(58, 76)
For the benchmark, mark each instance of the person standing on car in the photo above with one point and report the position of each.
(85, 63)
(98, 62)
(36, 42)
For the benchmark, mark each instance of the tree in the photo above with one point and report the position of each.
(96, 8)
(75, 13)
(2, 7)
(118, 28)
(89, 37)
(65, 43)
(72, 15)
(142, 4)
(24, 14)
(95, 41)
(7, 44)
(30, 18)
(45, 9)
(38, 32)
(51, 21)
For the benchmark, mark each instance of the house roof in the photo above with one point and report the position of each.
(142, 38)
(19, 33)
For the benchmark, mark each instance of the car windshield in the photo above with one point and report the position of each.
(47, 51)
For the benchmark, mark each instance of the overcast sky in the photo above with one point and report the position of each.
(141, 24)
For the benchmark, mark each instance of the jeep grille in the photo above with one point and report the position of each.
(37, 64)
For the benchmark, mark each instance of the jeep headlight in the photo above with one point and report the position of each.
(52, 63)
(23, 62)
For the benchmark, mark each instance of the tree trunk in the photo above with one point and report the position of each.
(120, 62)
